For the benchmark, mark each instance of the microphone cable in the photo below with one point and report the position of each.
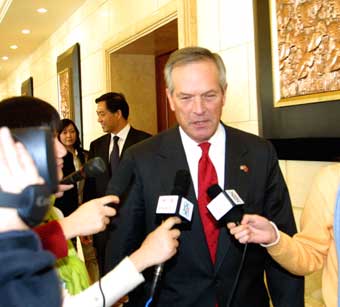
(100, 285)
(233, 289)
(157, 275)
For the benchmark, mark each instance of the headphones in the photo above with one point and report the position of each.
(35, 200)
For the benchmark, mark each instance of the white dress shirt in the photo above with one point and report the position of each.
(217, 153)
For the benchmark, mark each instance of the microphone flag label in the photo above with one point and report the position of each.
(235, 197)
(167, 204)
(186, 209)
(219, 206)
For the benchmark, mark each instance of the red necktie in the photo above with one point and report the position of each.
(206, 178)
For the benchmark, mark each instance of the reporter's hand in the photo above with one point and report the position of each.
(90, 218)
(17, 166)
(253, 229)
(159, 246)
(62, 188)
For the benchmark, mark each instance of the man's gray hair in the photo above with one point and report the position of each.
(188, 55)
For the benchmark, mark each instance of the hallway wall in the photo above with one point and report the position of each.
(223, 26)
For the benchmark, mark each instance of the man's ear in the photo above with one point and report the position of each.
(119, 113)
(225, 94)
(171, 103)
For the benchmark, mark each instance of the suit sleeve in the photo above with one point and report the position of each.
(285, 289)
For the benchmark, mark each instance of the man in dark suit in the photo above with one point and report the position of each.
(204, 271)
(113, 113)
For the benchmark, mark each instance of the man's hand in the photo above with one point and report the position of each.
(253, 229)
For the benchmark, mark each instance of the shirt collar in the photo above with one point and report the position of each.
(123, 133)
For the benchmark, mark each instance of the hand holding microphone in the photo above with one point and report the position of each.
(159, 246)
(173, 205)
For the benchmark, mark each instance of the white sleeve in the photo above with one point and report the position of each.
(115, 284)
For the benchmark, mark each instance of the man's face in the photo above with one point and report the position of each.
(108, 120)
(197, 99)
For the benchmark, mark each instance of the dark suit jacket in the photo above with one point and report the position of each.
(96, 187)
(190, 278)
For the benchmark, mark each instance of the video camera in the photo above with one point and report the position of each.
(33, 203)
(39, 143)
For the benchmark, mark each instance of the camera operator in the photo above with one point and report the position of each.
(21, 251)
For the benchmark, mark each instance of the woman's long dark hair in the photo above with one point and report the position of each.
(77, 144)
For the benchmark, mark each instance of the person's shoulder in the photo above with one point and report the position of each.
(140, 133)
(153, 142)
(99, 140)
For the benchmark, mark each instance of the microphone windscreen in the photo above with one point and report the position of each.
(181, 183)
(214, 190)
(95, 166)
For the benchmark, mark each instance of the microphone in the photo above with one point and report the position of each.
(173, 205)
(91, 168)
(226, 206)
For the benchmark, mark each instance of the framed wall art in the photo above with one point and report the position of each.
(297, 50)
(27, 87)
(69, 86)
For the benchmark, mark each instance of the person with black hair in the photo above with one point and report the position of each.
(113, 114)
(76, 156)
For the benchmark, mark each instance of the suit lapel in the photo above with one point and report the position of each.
(237, 178)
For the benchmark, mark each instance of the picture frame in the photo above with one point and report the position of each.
(27, 87)
(69, 86)
(299, 131)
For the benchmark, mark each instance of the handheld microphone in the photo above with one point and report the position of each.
(91, 168)
(226, 206)
(173, 205)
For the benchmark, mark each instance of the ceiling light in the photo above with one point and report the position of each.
(25, 31)
(42, 10)
(13, 47)
(5, 58)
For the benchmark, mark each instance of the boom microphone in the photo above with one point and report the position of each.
(173, 205)
(91, 168)
(225, 205)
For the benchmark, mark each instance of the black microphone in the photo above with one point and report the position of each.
(173, 205)
(91, 168)
(176, 204)
(226, 206)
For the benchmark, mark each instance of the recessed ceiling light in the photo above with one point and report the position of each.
(5, 58)
(25, 31)
(13, 47)
(42, 10)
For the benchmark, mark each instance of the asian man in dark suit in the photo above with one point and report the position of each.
(113, 113)
(205, 270)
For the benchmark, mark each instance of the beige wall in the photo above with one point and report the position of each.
(134, 75)
(223, 26)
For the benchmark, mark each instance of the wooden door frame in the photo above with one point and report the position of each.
(183, 10)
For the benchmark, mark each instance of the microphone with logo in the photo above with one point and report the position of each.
(172, 205)
(91, 168)
(225, 207)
